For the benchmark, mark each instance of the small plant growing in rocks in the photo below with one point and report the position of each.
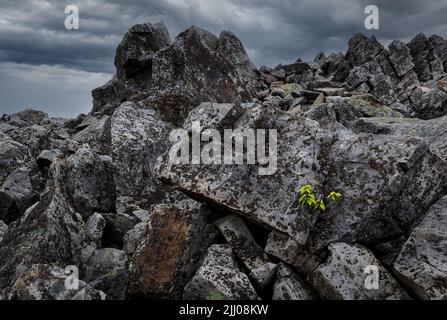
(316, 202)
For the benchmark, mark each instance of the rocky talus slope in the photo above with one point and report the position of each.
(99, 193)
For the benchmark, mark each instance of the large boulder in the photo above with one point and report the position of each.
(138, 137)
(169, 251)
(422, 262)
(349, 275)
(51, 231)
(377, 175)
(90, 181)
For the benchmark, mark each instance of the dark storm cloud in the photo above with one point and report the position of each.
(32, 32)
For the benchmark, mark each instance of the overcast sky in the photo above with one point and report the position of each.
(45, 66)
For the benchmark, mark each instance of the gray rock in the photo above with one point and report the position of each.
(242, 242)
(90, 181)
(400, 57)
(278, 92)
(134, 54)
(309, 151)
(94, 228)
(263, 274)
(280, 74)
(134, 237)
(96, 134)
(362, 49)
(16, 194)
(45, 282)
(295, 68)
(3, 229)
(138, 138)
(28, 117)
(289, 286)
(427, 64)
(440, 46)
(345, 276)
(46, 157)
(106, 270)
(231, 47)
(422, 262)
(282, 246)
(219, 278)
(49, 231)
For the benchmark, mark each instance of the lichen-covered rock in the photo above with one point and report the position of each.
(90, 181)
(240, 239)
(17, 194)
(263, 274)
(106, 270)
(346, 276)
(289, 286)
(219, 278)
(169, 252)
(173, 78)
(427, 63)
(94, 228)
(45, 282)
(422, 263)
(96, 133)
(384, 169)
(134, 54)
(231, 47)
(3, 228)
(28, 117)
(400, 57)
(50, 231)
(46, 157)
(282, 246)
(138, 138)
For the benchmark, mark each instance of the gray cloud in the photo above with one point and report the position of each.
(32, 33)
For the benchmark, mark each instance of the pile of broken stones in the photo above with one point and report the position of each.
(97, 192)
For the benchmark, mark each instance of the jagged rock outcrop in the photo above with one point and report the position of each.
(100, 194)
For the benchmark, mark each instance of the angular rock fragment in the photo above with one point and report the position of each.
(282, 246)
(94, 228)
(400, 57)
(240, 239)
(219, 278)
(168, 254)
(106, 270)
(138, 138)
(90, 181)
(349, 274)
(45, 282)
(289, 286)
(422, 262)
(46, 157)
(3, 229)
(16, 194)
(49, 232)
